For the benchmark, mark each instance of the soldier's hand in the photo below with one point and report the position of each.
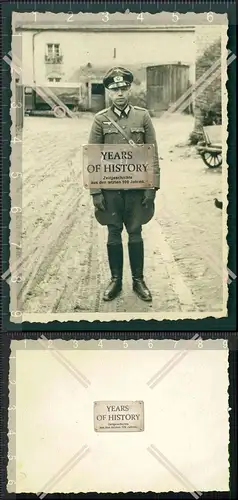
(149, 196)
(98, 201)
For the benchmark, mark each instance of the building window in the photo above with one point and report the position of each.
(55, 80)
(53, 49)
(53, 53)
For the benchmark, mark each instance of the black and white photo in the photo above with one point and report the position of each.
(157, 252)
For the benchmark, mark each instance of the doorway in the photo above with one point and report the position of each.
(97, 97)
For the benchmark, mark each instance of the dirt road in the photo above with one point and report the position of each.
(64, 248)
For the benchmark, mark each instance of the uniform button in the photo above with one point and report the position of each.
(123, 126)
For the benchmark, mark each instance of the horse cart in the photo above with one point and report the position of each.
(210, 148)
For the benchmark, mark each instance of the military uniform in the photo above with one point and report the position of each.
(125, 207)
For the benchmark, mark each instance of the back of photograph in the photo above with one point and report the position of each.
(137, 229)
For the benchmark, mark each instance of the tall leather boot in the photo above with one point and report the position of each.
(115, 259)
(136, 256)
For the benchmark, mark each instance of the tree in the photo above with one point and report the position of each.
(208, 101)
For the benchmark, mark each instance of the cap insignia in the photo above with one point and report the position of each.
(118, 79)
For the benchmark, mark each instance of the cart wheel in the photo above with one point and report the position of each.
(212, 160)
(59, 111)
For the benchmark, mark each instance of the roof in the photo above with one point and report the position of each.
(96, 27)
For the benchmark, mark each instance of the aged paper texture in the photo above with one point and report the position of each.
(184, 445)
(63, 269)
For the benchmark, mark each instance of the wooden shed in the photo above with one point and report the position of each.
(165, 84)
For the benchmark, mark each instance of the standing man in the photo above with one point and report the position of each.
(128, 207)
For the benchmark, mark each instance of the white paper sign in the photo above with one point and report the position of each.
(118, 416)
(118, 166)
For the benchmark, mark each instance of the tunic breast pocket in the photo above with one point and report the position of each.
(137, 134)
(110, 135)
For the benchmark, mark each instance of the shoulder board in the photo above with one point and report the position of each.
(102, 111)
(138, 107)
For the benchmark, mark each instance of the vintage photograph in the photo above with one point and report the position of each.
(149, 251)
(81, 427)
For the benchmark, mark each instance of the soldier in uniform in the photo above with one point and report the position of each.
(132, 207)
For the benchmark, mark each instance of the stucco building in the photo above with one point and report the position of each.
(75, 53)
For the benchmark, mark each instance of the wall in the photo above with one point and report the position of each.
(206, 35)
(80, 48)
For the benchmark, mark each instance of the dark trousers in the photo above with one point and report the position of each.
(123, 205)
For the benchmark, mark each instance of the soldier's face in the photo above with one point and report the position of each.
(120, 96)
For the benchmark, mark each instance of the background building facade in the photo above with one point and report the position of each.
(162, 59)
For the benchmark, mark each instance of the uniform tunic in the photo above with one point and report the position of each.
(125, 205)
